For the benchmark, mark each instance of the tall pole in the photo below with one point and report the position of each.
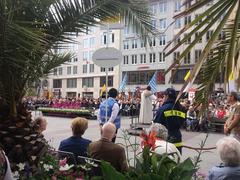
(106, 69)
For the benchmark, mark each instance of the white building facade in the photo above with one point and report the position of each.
(141, 61)
(80, 77)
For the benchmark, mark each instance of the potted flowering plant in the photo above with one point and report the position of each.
(152, 166)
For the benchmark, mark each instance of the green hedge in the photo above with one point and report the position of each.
(59, 110)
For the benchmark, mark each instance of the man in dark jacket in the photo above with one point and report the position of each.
(172, 116)
(105, 149)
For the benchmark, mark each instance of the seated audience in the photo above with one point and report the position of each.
(105, 149)
(162, 146)
(221, 113)
(76, 143)
(191, 118)
(5, 169)
(40, 124)
(229, 150)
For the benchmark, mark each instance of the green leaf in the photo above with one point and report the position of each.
(110, 173)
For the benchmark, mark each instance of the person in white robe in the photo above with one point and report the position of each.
(146, 108)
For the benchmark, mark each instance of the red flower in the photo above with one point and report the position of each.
(148, 140)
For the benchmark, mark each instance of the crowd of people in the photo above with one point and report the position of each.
(167, 118)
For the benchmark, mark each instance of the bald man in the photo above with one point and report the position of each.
(105, 149)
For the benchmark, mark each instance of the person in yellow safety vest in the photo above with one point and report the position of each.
(171, 114)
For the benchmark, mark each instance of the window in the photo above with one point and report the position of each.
(125, 45)
(134, 59)
(104, 38)
(209, 34)
(55, 71)
(88, 82)
(126, 30)
(91, 68)
(196, 36)
(84, 68)
(153, 8)
(188, 41)
(69, 70)
(92, 29)
(75, 59)
(196, 16)
(90, 55)
(162, 40)
(152, 57)
(178, 23)
(57, 83)
(187, 20)
(142, 58)
(112, 37)
(187, 4)
(85, 55)
(74, 69)
(103, 69)
(179, 76)
(85, 43)
(177, 6)
(222, 36)
(143, 43)
(134, 44)
(152, 42)
(125, 59)
(92, 42)
(163, 24)
(154, 24)
(103, 81)
(60, 71)
(72, 83)
(187, 58)
(161, 57)
(177, 40)
(176, 55)
(197, 54)
(163, 7)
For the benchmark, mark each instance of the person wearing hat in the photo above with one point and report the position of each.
(112, 111)
(171, 114)
(232, 125)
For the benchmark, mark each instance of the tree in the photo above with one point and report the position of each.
(221, 53)
(29, 31)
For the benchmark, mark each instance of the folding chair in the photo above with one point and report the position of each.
(93, 164)
(69, 155)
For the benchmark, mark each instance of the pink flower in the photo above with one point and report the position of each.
(63, 162)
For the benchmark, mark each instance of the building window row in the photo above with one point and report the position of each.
(143, 77)
(153, 58)
(88, 68)
(187, 58)
(136, 43)
(86, 82)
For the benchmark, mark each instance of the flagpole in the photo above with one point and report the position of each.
(106, 69)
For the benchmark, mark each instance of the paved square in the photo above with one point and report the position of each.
(59, 128)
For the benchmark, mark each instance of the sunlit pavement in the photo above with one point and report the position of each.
(59, 128)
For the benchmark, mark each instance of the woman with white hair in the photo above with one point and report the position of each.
(229, 150)
(162, 146)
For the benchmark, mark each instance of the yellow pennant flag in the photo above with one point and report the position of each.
(187, 76)
(103, 90)
(231, 76)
